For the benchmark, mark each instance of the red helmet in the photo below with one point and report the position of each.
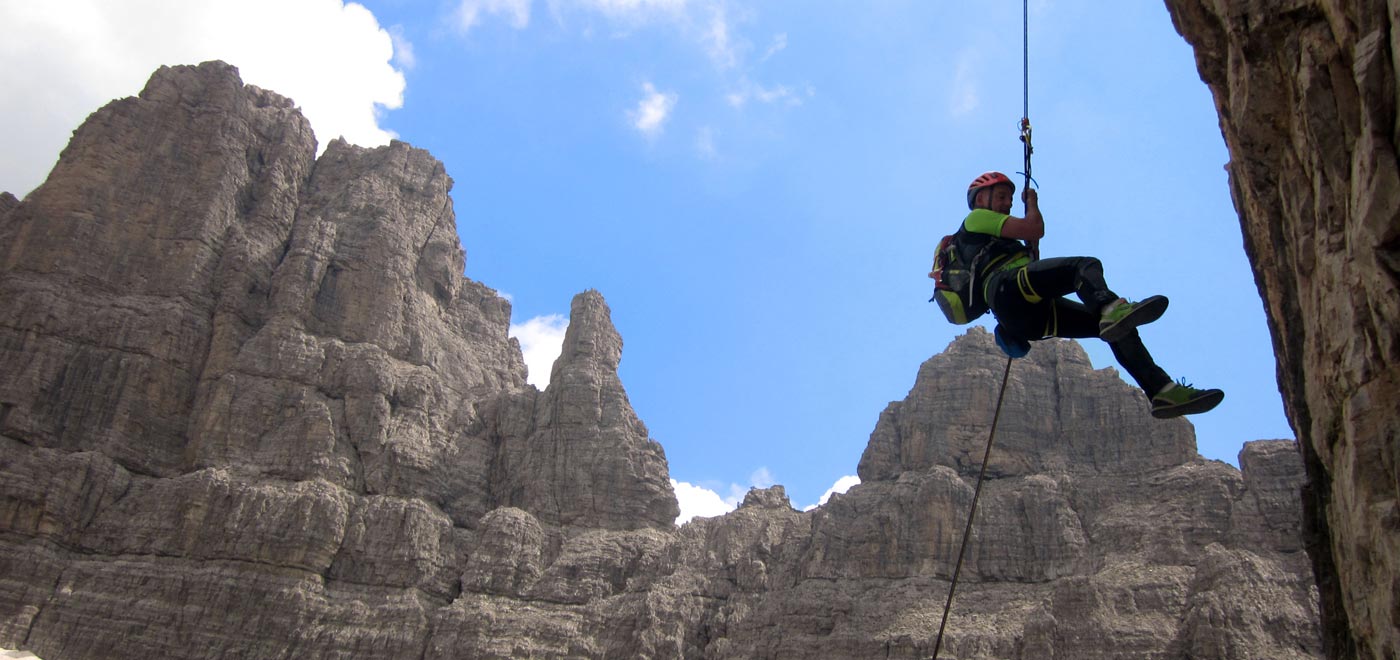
(987, 180)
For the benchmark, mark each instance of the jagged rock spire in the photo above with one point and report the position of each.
(589, 459)
(1060, 414)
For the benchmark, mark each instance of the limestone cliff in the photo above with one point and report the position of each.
(252, 408)
(1306, 91)
(239, 371)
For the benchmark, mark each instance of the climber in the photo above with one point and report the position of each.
(1025, 294)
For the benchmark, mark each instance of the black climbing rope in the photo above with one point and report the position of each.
(1026, 87)
(976, 494)
(996, 417)
(1026, 104)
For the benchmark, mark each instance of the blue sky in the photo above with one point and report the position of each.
(756, 188)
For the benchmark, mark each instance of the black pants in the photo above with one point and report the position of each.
(1028, 303)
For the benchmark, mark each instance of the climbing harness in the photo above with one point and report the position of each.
(976, 494)
(996, 417)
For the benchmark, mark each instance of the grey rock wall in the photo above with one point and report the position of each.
(253, 409)
(1078, 419)
(7, 203)
(249, 390)
(1306, 91)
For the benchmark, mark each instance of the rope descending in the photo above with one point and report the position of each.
(996, 417)
(976, 494)
(1026, 86)
(1026, 106)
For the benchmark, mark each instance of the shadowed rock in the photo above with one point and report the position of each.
(1307, 96)
(7, 203)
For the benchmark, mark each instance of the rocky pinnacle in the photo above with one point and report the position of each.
(252, 408)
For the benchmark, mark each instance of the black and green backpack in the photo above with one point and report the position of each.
(954, 276)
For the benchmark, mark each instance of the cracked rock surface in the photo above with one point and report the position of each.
(252, 408)
(1307, 95)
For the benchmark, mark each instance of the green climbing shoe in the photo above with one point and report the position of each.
(1180, 399)
(1122, 318)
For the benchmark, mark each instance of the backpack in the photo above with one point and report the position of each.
(954, 276)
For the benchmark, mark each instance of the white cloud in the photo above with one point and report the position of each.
(541, 340)
(780, 42)
(716, 40)
(633, 9)
(779, 93)
(705, 143)
(964, 98)
(705, 22)
(714, 26)
(62, 59)
(698, 501)
(761, 478)
(622, 15)
(842, 485)
(403, 48)
(469, 12)
(652, 111)
(750, 91)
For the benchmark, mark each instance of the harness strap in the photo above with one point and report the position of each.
(1023, 282)
(1000, 266)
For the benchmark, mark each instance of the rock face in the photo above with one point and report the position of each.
(253, 409)
(578, 455)
(1306, 91)
(236, 370)
(1082, 425)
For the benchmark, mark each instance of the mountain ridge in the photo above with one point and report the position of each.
(258, 411)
